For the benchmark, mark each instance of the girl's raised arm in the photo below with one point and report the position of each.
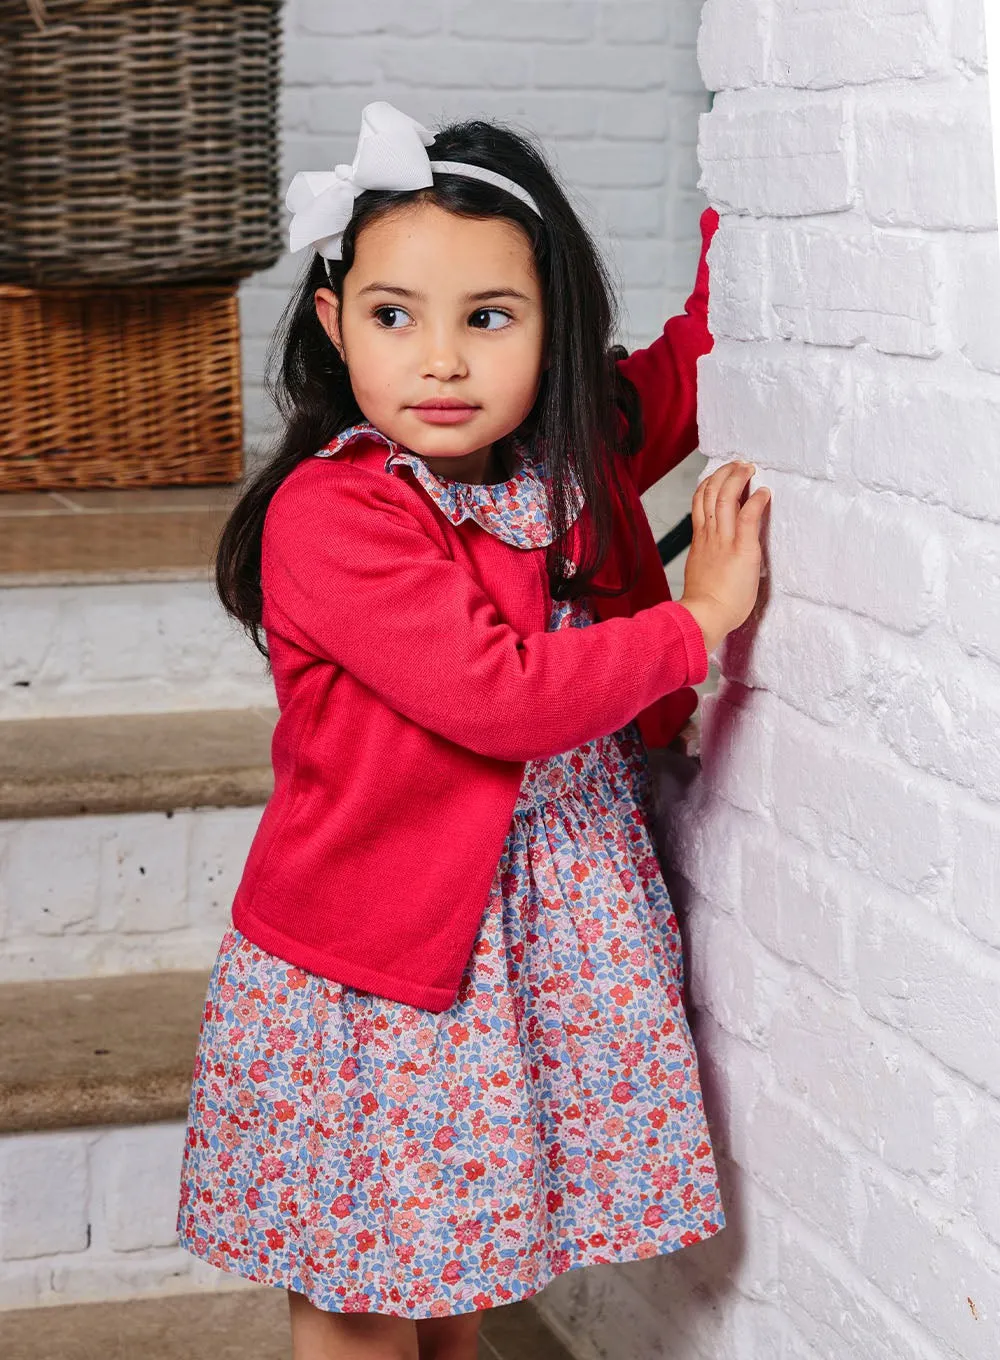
(353, 573)
(665, 376)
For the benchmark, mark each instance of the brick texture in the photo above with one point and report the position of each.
(836, 863)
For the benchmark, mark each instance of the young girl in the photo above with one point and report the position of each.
(444, 1055)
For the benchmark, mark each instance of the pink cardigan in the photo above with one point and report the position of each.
(415, 677)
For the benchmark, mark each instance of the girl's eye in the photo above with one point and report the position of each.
(481, 319)
(388, 317)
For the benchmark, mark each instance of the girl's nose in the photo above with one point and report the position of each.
(443, 358)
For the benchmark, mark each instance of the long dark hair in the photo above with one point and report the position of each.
(584, 409)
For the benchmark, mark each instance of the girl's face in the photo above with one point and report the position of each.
(447, 309)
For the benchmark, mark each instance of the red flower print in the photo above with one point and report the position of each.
(369, 1104)
(501, 1079)
(295, 978)
(657, 1116)
(474, 1169)
(444, 1138)
(703, 1149)
(653, 1217)
(688, 1239)
(342, 1205)
(622, 994)
(362, 1166)
(348, 1069)
(273, 1168)
(553, 1201)
(275, 1238)
(259, 1070)
(281, 1037)
(253, 1197)
(458, 1033)
(284, 1110)
(666, 1177)
(452, 1272)
(365, 1240)
(581, 872)
(622, 1091)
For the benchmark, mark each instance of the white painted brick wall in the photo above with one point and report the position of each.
(126, 893)
(612, 88)
(837, 862)
(109, 1232)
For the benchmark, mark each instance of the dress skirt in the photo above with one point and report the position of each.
(380, 1158)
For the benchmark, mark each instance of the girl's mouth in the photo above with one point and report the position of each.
(447, 413)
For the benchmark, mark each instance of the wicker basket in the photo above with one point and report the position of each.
(138, 140)
(119, 387)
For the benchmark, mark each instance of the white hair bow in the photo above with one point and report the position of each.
(391, 154)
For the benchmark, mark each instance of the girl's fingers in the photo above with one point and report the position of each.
(750, 516)
(731, 489)
(711, 492)
(714, 485)
(714, 504)
(733, 484)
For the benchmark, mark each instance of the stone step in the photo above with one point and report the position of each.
(145, 879)
(249, 1324)
(98, 1051)
(65, 767)
(67, 537)
(107, 605)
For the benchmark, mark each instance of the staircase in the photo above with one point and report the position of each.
(134, 764)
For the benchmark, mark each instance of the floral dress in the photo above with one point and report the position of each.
(381, 1158)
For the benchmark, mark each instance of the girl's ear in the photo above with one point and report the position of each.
(328, 311)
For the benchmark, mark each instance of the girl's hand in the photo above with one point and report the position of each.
(722, 572)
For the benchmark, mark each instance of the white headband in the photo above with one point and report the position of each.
(391, 154)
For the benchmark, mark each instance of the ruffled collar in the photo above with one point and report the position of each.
(515, 510)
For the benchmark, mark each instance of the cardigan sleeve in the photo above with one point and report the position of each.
(353, 574)
(666, 378)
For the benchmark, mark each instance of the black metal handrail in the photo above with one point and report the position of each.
(673, 543)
